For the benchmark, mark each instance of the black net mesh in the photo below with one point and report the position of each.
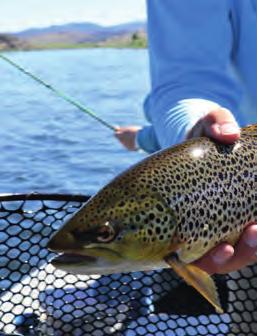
(36, 299)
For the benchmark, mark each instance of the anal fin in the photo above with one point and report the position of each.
(197, 278)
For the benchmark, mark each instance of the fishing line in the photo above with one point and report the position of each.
(58, 93)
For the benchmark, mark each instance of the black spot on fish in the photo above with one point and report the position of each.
(158, 230)
(225, 229)
(159, 207)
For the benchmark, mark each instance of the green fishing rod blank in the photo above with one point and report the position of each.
(58, 93)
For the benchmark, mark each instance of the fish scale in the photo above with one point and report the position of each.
(166, 211)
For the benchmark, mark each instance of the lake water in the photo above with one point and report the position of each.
(48, 145)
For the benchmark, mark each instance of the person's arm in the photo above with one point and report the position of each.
(136, 137)
(244, 20)
(189, 65)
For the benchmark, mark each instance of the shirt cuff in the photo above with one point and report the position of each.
(146, 140)
(172, 125)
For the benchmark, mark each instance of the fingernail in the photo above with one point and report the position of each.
(228, 128)
(219, 258)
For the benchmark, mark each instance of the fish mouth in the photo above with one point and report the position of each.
(71, 258)
(86, 258)
(99, 261)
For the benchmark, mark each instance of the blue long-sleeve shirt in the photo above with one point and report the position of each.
(203, 54)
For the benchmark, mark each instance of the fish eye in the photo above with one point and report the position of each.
(105, 233)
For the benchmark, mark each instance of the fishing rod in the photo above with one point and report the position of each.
(58, 93)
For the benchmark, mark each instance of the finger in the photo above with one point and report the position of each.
(216, 260)
(225, 259)
(121, 138)
(221, 125)
(245, 250)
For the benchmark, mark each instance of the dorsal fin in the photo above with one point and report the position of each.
(250, 130)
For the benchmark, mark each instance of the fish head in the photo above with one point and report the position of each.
(117, 230)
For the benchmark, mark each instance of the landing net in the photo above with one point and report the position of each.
(36, 299)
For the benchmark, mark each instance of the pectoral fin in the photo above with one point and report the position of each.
(197, 278)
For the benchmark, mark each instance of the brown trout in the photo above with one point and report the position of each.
(166, 211)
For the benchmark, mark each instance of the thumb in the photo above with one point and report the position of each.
(221, 125)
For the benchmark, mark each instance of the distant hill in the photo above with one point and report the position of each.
(66, 28)
(9, 42)
(86, 27)
(75, 35)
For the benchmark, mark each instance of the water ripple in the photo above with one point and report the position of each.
(47, 145)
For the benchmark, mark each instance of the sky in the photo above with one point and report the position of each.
(17, 15)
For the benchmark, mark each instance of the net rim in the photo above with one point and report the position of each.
(35, 196)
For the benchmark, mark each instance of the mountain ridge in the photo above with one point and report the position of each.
(81, 27)
(80, 35)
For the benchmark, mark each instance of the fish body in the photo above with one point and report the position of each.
(166, 211)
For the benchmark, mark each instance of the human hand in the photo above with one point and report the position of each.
(224, 258)
(218, 124)
(127, 136)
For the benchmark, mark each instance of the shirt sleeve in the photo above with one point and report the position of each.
(146, 140)
(190, 45)
(244, 20)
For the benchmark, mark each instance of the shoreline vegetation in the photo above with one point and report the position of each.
(76, 36)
